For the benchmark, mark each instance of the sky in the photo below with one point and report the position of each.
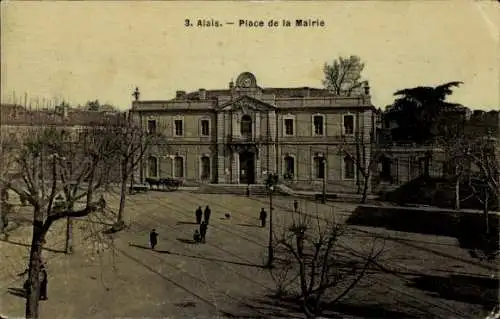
(80, 51)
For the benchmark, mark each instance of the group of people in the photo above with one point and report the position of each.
(199, 236)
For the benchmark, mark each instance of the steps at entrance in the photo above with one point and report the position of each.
(235, 189)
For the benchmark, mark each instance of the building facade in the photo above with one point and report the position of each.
(238, 134)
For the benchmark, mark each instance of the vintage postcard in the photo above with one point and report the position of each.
(257, 159)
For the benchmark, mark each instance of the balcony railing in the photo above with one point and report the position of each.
(246, 139)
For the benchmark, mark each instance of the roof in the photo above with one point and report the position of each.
(11, 114)
(277, 92)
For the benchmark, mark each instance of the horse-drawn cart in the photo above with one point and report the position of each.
(169, 184)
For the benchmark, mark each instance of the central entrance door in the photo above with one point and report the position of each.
(247, 167)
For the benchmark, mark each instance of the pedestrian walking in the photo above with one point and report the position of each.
(153, 238)
(203, 231)
(207, 214)
(199, 214)
(295, 205)
(44, 281)
(263, 217)
(102, 203)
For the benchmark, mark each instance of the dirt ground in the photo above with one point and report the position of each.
(119, 276)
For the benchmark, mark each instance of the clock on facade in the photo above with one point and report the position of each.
(246, 80)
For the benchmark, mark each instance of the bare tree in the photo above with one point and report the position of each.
(483, 177)
(343, 76)
(312, 265)
(364, 164)
(42, 174)
(131, 143)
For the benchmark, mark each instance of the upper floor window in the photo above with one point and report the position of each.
(319, 124)
(348, 124)
(205, 127)
(289, 129)
(246, 126)
(178, 127)
(151, 126)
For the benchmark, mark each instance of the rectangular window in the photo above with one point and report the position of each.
(349, 168)
(319, 167)
(205, 127)
(178, 167)
(178, 128)
(288, 126)
(289, 167)
(318, 125)
(151, 126)
(348, 124)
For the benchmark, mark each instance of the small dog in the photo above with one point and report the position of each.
(228, 215)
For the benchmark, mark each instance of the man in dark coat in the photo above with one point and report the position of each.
(199, 214)
(207, 214)
(262, 217)
(295, 205)
(153, 238)
(203, 231)
(44, 280)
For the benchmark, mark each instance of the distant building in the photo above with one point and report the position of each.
(237, 134)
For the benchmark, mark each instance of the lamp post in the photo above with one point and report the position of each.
(271, 182)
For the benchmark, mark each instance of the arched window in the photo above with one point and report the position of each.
(289, 167)
(152, 166)
(349, 170)
(246, 126)
(179, 167)
(205, 168)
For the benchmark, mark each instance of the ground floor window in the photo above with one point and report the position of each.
(179, 167)
(152, 166)
(349, 168)
(289, 167)
(319, 167)
(205, 168)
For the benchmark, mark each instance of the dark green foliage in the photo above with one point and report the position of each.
(422, 114)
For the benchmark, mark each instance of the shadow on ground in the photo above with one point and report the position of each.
(186, 223)
(59, 251)
(289, 307)
(18, 292)
(468, 289)
(197, 257)
(249, 225)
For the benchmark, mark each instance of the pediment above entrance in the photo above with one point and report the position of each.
(246, 103)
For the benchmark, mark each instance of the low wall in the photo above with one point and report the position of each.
(468, 227)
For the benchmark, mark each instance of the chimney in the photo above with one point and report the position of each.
(202, 94)
(367, 88)
(180, 94)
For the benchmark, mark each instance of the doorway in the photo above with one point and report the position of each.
(247, 167)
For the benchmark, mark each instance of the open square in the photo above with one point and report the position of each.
(224, 277)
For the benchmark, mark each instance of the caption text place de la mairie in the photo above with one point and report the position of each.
(256, 23)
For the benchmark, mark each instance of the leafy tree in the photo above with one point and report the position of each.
(41, 174)
(343, 76)
(422, 113)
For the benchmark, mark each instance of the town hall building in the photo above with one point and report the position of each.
(238, 134)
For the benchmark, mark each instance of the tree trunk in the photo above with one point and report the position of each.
(457, 194)
(485, 212)
(123, 197)
(69, 236)
(365, 189)
(33, 293)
